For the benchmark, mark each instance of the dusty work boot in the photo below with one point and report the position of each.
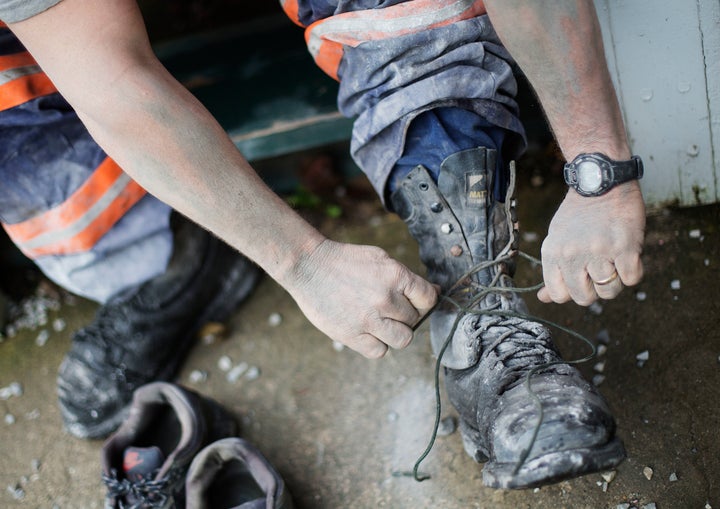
(144, 335)
(146, 460)
(467, 241)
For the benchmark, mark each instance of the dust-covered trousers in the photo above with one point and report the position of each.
(422, 79)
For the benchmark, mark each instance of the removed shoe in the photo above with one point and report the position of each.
(233, 474)
(144, 335)
(145, 462)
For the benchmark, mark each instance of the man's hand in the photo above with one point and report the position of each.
(588, 240)
(361, 297)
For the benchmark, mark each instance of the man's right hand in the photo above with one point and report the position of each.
(359, 296)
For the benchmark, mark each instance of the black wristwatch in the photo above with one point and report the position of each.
(595, 174)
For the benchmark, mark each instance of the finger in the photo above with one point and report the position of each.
(421, 294)
(554, 289)
(630, 269)
(393, 333)
(605, 271)
(368, 346)
(580, 287)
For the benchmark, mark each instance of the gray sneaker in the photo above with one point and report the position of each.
(232, 474)
(145, 461)
(467, 241)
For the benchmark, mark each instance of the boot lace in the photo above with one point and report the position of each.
(146, 493)
(520, 341)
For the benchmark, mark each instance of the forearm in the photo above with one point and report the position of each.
(558, 45)
(159, 133)
(170, 144)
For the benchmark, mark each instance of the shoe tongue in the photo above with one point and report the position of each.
(142, 462)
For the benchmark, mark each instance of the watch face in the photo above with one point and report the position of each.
(589, 175)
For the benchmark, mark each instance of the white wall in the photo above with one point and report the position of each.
(664, 57)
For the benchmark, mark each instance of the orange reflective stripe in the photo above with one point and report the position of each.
(326, 38)
(78, 223)
(21, 80)
(292, 10)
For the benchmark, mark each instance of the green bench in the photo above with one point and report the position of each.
(262, 85)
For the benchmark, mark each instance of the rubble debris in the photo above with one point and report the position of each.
(673, 477)
(642, 358)
(236, 372)
(675, 284)
(14, 389)
(274, 319)
(197, 376)
(225, 363)
(648, 473)
(641, 296)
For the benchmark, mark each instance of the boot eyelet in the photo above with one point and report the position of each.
(436, 206)
(423, 186)
(446, 228)
(456, 250)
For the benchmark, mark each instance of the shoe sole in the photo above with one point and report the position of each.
(554, 467)
(245, 277)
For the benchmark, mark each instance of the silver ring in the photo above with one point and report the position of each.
(607, 280)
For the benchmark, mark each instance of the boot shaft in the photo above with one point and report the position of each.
(456, 222)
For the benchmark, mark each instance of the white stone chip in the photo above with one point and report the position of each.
(673, 477)
(274, 319)
(225, 363)
(58, 325)
(236, 372)
(9, 419)
(695, 234)
(641, 296)
(643, 356)
(338, 346)
(598, 379)
(651, 505)
(42, 338)
(197, 376)
(601, 349)
(14, 389)
(648, 473)
(253, 373)
(595, 308)
(599, 367)
(609, 476)
(675, 284)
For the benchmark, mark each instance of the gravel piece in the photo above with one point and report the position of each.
(9, 419)
(14, 389)
(42, 338)
(225, 363)
(609, 476)
(601, 349)
(598, 379)
(274, 319)
(603, 337)
(648, 473)
(642, 358)
(694, 234)
(58, 325)
(16, 492)
(641, 296)
(236, 372)
(651, 505)
(623, 506)
(599, 367)
(338, 346)
(673, 477)
(675, 284)
(197, 376)
(253, 373)
(595, 308)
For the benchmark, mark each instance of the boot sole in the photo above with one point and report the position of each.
(554, 467)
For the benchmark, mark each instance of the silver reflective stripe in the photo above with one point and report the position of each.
(349, 25)
(56, 236)
(8, 75)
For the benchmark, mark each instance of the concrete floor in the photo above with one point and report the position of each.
(338, 426)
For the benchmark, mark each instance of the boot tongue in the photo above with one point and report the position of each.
(142, 462)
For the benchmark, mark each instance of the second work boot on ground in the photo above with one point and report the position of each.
(146, 460)
(144, 335)
(467, 242)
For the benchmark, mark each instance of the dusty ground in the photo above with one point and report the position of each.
(337, 426)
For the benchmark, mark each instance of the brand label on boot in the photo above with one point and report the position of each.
(475, 189)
